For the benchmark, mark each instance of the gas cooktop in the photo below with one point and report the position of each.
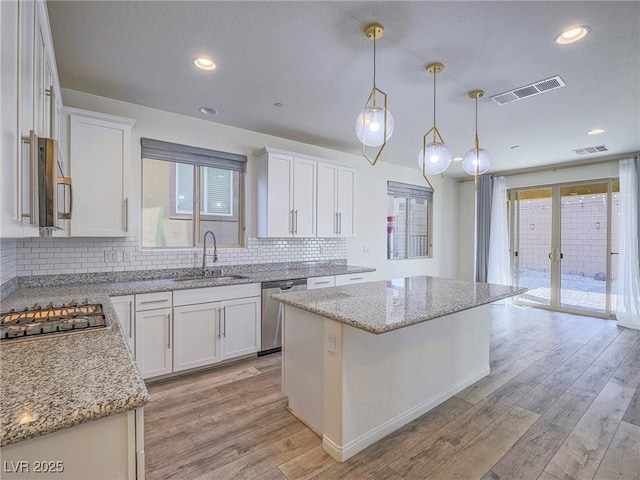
(37, 321)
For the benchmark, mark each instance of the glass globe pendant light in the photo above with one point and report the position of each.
(374, 124)
(435, 157)
(477, 160)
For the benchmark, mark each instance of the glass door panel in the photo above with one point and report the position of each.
(615, 245)
(583, 247)
(532, 268)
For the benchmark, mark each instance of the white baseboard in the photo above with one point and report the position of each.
(344, 452)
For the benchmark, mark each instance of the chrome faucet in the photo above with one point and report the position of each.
(204, 251)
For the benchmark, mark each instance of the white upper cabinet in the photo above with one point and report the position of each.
(302, 196)
(286, 195)
(336, 190)
(346, 201)
(100, 164)
(30, 100)
(327, 200)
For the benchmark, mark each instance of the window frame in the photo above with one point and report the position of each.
(235, 191)
(404, 191)
(158, 150)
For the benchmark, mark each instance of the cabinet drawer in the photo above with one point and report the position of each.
(215, 294)
(320, 282)
(150, 301)
(354, 278)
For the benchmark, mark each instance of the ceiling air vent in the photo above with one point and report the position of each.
(529, 90)
(588, 150)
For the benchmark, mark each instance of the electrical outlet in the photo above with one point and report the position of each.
(110, 256)
(331, 343)
(366, 248)
(127, 255)
(120, 255)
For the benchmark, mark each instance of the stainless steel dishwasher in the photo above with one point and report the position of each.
(272, 313)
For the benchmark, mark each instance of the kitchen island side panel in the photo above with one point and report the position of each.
(303, 366)
(375, 384)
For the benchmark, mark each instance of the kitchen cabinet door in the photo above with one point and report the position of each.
(346, 201)
(304, 197)
(154, 348)
(10, 135)
(240, 326)
(275, 190)
(327, 212)
(100, 151)
(196, 335)
(123, 306)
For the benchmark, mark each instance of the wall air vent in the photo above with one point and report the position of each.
(529, 90)
(589, 150)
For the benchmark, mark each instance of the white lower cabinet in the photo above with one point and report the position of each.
(196, 334)
(321, 282)
(205, 326)
(354, 278)
(123, 305)
(240, 327)
(154, 349)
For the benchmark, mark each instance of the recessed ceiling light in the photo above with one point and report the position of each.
(278, 104)
(204, 63)
(515, 147)
(573, 34)
(457, 159)
(596, 131)
(208, 110)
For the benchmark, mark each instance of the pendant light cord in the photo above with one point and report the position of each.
(373, 91)
(477, 144)
(434, 107)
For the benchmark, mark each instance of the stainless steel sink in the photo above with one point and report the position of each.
(220, 278)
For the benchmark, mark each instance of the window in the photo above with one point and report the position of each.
(172, 216)
(409, 222)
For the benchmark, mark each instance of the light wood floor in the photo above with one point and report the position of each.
(562, 402)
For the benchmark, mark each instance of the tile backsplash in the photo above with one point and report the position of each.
(52, 256)
(7, 259)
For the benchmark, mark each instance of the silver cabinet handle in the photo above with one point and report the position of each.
(219, 323)
(340, 222)
(32, 141)
(355, 278)
(147, 302)
(52, 108)
(291, 221)
(335, 223)
(322, 283)
(224, 321)
(66, 181)
(126, 215)
(130, 319)
(295, 213)
(168, 330)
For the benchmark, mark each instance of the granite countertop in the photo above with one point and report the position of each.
(25, 296)
(52, 383)
(380, 307)
(58, 382)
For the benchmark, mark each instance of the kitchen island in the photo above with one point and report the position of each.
(361, 361)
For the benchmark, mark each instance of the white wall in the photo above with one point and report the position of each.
(466, 200)
(368, 248)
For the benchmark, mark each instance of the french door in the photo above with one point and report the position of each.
(563, 240)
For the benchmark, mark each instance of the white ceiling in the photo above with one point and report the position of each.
(314, 58)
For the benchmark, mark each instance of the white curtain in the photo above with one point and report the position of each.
(499, 270)
(628, 301)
